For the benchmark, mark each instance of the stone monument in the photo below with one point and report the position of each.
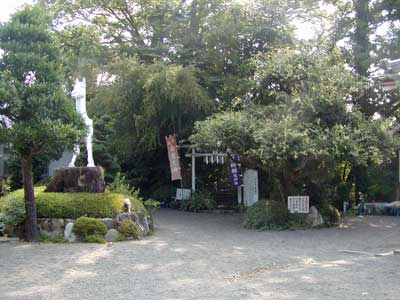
(250, 187)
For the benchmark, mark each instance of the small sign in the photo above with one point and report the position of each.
(183, 194)
(299, 204)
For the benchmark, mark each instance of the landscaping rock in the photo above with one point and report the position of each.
(108, 222)
(51, 227)
(78, 179)
(14, 231)
(314, 218)
(139, 218)
(68, 234)
(112, 235)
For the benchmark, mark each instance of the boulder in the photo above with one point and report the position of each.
(139, 218)
(314, 218)
(68, 233)
(77, 179)
(108, 222)
(112, 235)
(51, 227)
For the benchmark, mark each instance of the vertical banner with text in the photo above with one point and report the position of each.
(173, 158)
(234, 171)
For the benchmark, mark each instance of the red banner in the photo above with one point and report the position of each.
(173, 158)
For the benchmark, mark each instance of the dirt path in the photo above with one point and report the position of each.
(209, 256)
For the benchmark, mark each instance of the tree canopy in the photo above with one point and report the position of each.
(155, 67)
(37, 116)
(298, 126)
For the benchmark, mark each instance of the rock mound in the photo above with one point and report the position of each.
(77, 179)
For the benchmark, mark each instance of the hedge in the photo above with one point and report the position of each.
(75, 205)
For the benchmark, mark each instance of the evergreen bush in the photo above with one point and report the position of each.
(129, 229)
(70, 205)
(85, 227)
(200, 200)
(267, 214)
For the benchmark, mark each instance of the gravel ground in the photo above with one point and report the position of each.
(209, 256)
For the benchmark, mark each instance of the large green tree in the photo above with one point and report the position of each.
(217, 37)
(146, 103)
(298, 126)
(37, 117)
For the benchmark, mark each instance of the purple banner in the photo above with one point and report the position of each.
(234, 171)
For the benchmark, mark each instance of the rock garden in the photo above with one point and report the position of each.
(116, 214)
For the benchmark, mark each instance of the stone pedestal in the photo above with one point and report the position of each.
(77, 179)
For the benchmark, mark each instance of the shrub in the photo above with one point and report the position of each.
(12, 210)
(5, 186)
(72, 205)
(56, 240)
(266, 214)
(121, 186)
(201, 200)
(129, 229)
(297, 221)
(94, 238)
(151, 205)
(85, 227)
(330, 214)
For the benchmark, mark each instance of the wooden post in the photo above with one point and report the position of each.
(397, 195)
(193, 169)
(239, 190)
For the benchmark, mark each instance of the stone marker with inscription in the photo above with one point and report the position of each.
(250, 187)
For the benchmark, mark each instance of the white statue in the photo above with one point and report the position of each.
(79, 93)
(127, 204)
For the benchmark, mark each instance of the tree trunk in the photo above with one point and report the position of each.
(31, 231)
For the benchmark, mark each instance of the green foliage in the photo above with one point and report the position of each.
(151, 205)
(148, 102)
(121, 186)
(94, 238)
(266, 214)
(129, 229)
(33, 97)
(297, 221)
(173, 62)
(121, 238)
(69, 205)
(37, 116)
(382, 178)
(289, 113)
(200, 200)
(103, 147)
(12, 210)
(298, 128)
(5, 186)
(59, 239)
(88, 228)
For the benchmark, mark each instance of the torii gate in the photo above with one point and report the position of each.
(211, 157)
